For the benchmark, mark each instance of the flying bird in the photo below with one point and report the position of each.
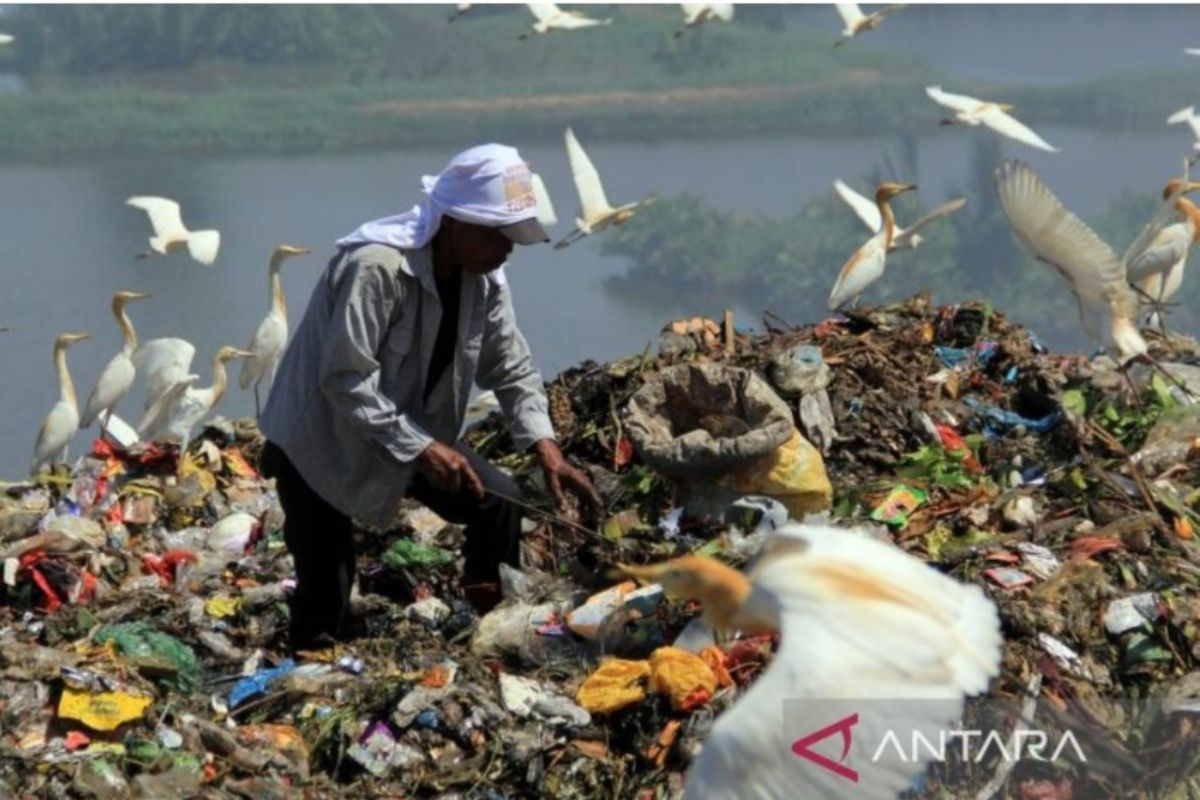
(549, 17)
(270, 338)
(118, 374)
(1157, 269)
(595, 213)
(182, 407)
(170, 233)
(857, 22)
(975, 112)
(697, 14)
(62, 422)
(1188, 116)
(866, 265)
(903, 238)
(860, 622)
(459, 10)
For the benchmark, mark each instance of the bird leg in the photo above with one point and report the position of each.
(257, 410)
(103, 419)
(1133, 390)
(1179, 384)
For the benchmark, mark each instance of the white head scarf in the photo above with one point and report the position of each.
(487, 185)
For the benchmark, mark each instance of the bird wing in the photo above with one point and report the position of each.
(892, 9)
(156, 422)
(56, 432)
(266, 344)
(114, 381)
(1168, 246)
(162, 363)
(546, 214)
(1192, 51)
(203, 246)
(692, 11)
(722, 11)
(860, 271)
(867, 211)
(6, 38)
(1004, 123)
(1056, 237)
(1163, 217)
(905, 238)
(587, 180)
(576, 19)
(165, 216)
(865, 629)
(958, 102)
(544, 11)
(850, 13)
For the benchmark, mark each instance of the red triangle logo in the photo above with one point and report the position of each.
(801, 747)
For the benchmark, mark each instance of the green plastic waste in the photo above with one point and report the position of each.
(407, 553)
(153, 650)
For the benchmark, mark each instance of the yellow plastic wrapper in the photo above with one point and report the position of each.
(222, 606)
(682, 676)
(794, 475)
(615, 684)
(102, 711)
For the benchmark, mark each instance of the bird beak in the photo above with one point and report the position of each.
(1191, 186)
(140, 296)
(243, 354)
(908, 187)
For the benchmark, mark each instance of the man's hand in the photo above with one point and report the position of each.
(448, 470)
(558, 472)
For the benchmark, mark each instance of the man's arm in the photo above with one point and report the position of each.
(506, 367)
(349, 373)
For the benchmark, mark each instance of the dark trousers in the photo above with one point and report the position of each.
(320, 538)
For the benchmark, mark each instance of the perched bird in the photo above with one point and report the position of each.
(63, 420)
(271, 337)
(866, 265)
(181, 407)
(549, 17)
(170, 233)
(1188, 116)
(459, 10)
(1050, 233)
(857, 22)
(595, 213)
(118, 374)
(1157, 269)
(903, 238)
(697, 14)
(162, 363)
(975, 112)
(862, 624)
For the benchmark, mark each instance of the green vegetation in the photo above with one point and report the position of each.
(288, 79)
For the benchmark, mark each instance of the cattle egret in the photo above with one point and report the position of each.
(118, 374)
(162, 363)
(975, 112)
(1157, 269)
(459, 10)
(859, 621)
(857, 22)
(1053, 235)
(552, 18)
(63, 420)
(170, 234)
(271, 337)
(1188, 116)
(182, 407)
(866, 265)
(697, 14)
(903, 238)
(595, 214)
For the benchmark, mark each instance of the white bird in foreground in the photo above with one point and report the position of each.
(595, 213)
(1188, 116)
(271, 337)
(697, 14)
(162, 363)
(1157, 269)
(866, 265)
(975, 112)
(549, 17)
(903, 238)
(170, 233)
(62, 422)
(182, 407)
(459, 10)
(857, 22)
(118, 374)
(863, 627)
(1050, 233)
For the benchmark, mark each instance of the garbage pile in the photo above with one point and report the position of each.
(143, 611)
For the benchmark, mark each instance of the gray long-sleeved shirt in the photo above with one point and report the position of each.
(348, 405)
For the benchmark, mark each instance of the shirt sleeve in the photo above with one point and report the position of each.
(506, 368)
(364, 303)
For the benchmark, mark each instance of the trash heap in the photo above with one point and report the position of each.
(143, 612)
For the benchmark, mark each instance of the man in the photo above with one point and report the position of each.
(370, 397)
